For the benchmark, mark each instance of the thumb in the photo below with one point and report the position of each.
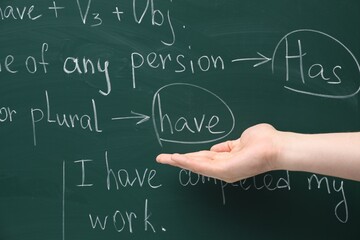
(223, 147)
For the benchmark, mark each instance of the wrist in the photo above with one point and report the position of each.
(285, 150)
(294, 151)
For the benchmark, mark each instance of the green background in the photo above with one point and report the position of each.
(36, 203)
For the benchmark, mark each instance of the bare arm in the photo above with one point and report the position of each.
(334, 154)
(262, 148)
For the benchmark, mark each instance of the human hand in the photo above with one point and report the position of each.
(253, 153)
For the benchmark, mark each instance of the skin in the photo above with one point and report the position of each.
(262, 148)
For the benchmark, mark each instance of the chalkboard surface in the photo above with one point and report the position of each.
(91, 91)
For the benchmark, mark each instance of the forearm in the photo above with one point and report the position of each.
(335, 154)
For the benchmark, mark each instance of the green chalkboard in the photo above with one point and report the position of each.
(92, 91)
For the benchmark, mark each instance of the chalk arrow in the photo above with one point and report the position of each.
(263, 59)
(143, 118)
